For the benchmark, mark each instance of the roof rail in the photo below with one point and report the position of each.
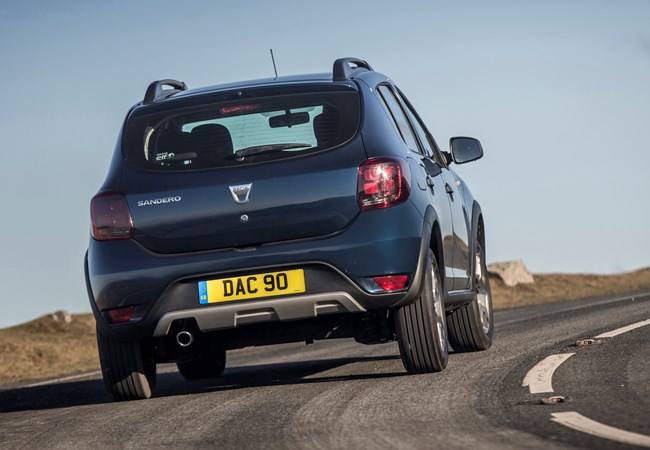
(156, 92)
(343, 71)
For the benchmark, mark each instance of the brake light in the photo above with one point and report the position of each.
(383, 182)
(392, 282)
(238, 109)
(110, 216)
(121, 315)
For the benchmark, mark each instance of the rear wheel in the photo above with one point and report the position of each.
(421, 327)
(128, 373)
(208, 365)
(470, 327)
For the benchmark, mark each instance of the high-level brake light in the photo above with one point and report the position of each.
(111, 218)
(238, 109)
(383, 182)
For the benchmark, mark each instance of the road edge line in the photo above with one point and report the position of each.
(539, 378)
(622, 330)
(62, 379)
(577, 421)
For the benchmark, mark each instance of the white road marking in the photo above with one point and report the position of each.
(68, 378)
(586, 425)
(622, 330)
(538, 379)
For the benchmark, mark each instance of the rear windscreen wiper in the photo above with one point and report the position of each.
(257, 149)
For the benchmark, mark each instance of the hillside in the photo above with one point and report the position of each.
(554, 287)
(45, 348)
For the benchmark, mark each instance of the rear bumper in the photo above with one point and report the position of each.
(164, 288)
(299, 307)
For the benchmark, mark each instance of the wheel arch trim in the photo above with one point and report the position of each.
(428, 226)
(477, 225)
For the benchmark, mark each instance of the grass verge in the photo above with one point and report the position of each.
(554, 287)
(45, 348)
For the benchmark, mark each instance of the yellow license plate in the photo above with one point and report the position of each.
(252, 286)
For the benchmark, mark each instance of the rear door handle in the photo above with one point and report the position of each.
(429, 181)
(448, 189)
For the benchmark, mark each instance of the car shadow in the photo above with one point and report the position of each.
(92, 392)
(276, 374)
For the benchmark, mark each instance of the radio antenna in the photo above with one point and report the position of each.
(274, 68)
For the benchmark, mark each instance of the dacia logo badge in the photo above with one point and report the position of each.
(241, 192)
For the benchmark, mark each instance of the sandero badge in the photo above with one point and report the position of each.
(159, 201)
(359, 228)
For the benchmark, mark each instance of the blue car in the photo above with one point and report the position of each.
(282, 210)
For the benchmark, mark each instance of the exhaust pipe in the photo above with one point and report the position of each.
(184, 338)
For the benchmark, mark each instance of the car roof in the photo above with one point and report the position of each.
(263, 82)
(344, 70)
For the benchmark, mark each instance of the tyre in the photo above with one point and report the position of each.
(208, 365)
(471, 327)
(421, 327)
(128, 375)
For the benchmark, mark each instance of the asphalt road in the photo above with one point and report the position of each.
(340, 394)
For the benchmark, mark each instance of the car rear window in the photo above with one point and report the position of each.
(253, 129)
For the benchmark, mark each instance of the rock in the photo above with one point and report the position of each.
(61, 316)
(512, 272)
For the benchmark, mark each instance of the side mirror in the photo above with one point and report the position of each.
(465, 149)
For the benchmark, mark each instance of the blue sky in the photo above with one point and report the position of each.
(557, 91)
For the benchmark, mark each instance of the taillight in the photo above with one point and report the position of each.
(111, 218)
(383, 182)
(392, 282)
(121, 315)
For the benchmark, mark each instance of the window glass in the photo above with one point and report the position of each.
(233, 133)
(424, 141)
(251, 130)
(429, 145)
(399, 117)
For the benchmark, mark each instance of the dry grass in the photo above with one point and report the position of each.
(554, 287)
(45, 348)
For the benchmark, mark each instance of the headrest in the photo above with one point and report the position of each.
(326, 125)
(212, 137)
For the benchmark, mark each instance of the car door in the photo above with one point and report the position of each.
(429, 179)
(435, 163)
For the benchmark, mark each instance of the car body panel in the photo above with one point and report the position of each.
(286, 201)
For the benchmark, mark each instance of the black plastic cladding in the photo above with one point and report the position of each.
(342, 70)
(156, 92)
